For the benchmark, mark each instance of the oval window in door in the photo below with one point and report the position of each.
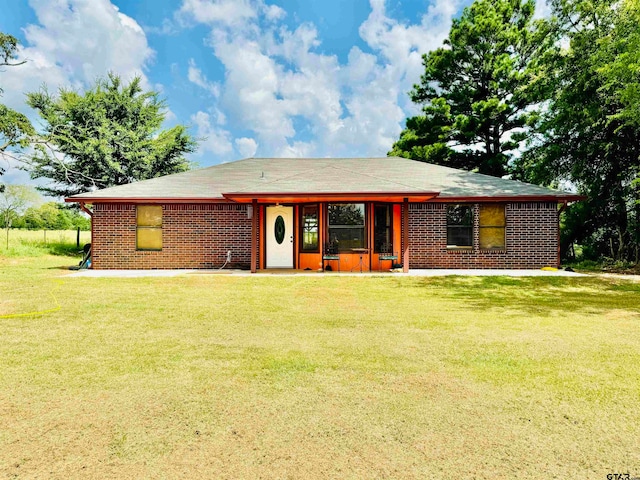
(279, 229)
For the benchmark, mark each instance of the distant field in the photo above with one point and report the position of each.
(42, 236)
(32, 243)
(217, 376)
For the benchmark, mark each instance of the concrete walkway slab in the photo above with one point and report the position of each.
(494, 273)
(128, 273)
(307, 273)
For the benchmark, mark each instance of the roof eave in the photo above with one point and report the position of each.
(511, 198)
(145, 200)
(243, 197)
(302, 197)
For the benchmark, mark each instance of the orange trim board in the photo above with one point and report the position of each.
(312, 197)
(267, 198)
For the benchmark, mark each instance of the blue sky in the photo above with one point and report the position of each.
(253, 77)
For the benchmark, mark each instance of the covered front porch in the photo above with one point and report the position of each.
(323, 232)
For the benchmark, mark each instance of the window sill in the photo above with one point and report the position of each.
(496, 249)
(455, 248)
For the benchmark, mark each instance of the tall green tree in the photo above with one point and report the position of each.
(109, 135)
(15, 131)
(52, 216)
(619, 59)
(588, 136)
(15, 128)
(476, 91)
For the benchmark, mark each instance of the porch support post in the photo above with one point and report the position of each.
(254, 235)
(405, 235)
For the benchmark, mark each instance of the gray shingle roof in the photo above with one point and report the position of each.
(321, 175)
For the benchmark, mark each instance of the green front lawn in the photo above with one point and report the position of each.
(217, 376)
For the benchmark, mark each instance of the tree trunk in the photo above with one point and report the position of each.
(499, 171)
(7, 225)
(613, 254)
(621, 245)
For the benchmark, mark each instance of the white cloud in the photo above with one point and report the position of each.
(296, 150)
(401, 46)
(196, 76)
(273, 12)
(214, 140)
(228, 12)
(169, 116)
(85, 39)
(300, 102)
(72, 44)
(251, 90)
(221, 118)
(246, 146)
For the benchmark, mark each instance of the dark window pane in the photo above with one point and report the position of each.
(309, 228)
(279, 229)
(383, 219)
(459, 226)
(347, 237)
(346, 225)
(459, 215)
(459, 236)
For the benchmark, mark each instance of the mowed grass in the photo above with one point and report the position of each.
(217, 376)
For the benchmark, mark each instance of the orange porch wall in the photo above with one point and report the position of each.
(312, 261)
(348, 261)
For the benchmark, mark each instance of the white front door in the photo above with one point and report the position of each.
(279, 234)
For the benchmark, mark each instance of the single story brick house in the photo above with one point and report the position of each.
(347, 214)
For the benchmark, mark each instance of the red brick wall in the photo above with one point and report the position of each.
(199, 236)
(194, 236)
(531, 238)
